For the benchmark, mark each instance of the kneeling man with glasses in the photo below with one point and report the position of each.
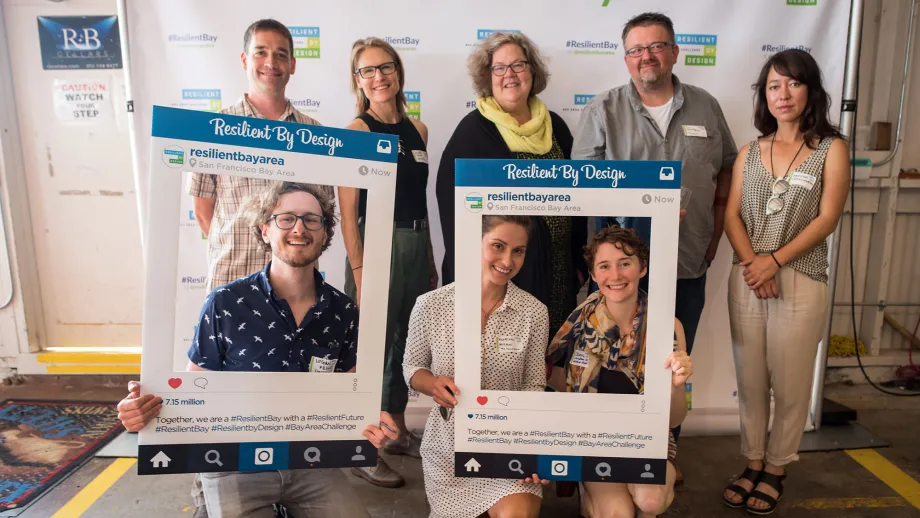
(284, 318)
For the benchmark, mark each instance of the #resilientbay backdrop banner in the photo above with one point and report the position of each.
(187, 54)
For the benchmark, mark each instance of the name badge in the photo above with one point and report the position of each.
(420, 156)
(695, 131)
(580, 359)
(803, 180)
(318, 364)
(510, 344)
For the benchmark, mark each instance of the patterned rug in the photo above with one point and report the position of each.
(43, 441)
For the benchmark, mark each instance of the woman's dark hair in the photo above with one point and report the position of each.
(799, 65)
(493, 220)
(625, 239)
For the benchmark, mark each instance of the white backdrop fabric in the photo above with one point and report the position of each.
(187, 54)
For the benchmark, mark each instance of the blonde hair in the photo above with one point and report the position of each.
(362, 103)
(480, 62)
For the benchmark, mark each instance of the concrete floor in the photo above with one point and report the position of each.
(815, 485)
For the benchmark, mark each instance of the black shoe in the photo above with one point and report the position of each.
(748, 474)
(774, 481)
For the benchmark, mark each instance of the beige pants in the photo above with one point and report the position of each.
(774, 342)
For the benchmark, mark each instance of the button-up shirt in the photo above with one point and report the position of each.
(233, 251)
(246, 326)
(615, 126)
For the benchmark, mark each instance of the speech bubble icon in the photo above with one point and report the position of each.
(201, 383)
(192, 162)
(490, 205)
(311, 454)
(503, 400)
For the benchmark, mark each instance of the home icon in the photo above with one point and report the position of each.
(472, 466)
(160, 460)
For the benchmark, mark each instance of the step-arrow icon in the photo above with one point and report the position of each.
(472, 466)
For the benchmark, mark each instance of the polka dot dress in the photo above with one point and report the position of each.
(430, 346)
(769, 233)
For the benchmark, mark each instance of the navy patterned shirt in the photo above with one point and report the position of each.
(245, 326)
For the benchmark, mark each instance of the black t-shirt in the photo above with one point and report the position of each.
(411, 170)
(614, 382)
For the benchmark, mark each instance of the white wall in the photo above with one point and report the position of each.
(80, 193)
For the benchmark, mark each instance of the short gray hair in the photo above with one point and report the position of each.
(647, 19)
(480, 62)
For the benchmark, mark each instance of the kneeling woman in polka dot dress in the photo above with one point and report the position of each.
(429, 368)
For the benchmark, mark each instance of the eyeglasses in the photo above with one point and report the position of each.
(385, 68)
(655, 48)
(775, 203)
(517, 67)
(287, 221)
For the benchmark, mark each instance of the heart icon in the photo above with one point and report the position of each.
(482, 400)
(470, 416)
(175, 382)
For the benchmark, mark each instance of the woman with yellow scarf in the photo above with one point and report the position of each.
(511, 122)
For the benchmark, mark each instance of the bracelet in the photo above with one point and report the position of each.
(357, 267)
(775, 260)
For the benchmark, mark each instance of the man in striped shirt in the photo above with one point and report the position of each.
(269, 63)
(233, 252)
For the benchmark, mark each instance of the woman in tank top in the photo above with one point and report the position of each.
(377, 78)
(788, 190)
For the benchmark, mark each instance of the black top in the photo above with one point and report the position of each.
(614, 382)
(411, 170)
(478, 137)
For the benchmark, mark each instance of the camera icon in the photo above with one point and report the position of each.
(264, 456)
(559, 468)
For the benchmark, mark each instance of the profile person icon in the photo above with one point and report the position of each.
(358, 456)
(648, 472)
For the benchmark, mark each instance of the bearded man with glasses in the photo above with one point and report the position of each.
(303, 325)
(657, 117)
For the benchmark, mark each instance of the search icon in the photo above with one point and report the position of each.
(311, 454)
(213, 457)
(515, 465)
(602, 469)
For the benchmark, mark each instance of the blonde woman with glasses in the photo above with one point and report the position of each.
(788, 191)
(378, 78)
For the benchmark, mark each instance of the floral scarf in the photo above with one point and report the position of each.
(590, 339)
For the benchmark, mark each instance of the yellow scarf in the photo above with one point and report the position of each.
(534, 136)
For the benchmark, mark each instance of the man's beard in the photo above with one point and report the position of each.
(299, 261)
(657, 81)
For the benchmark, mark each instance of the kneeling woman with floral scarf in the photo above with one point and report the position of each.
(602, 345)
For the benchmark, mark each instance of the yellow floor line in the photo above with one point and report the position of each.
(888, 473)
(851, 503)
(88, 357)
(85, 498)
